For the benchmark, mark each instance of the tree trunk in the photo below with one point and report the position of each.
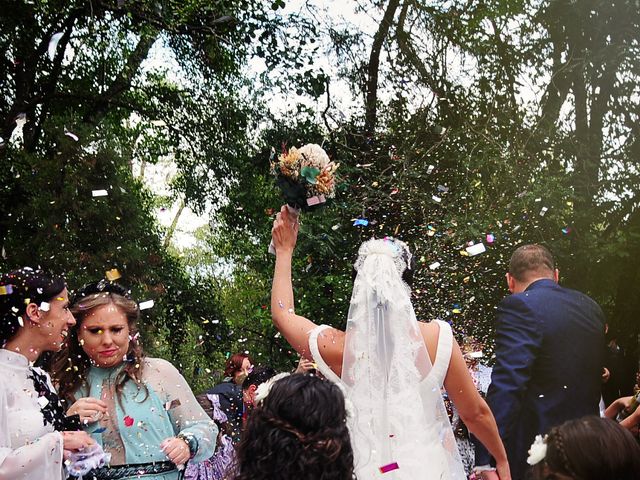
(371, 103)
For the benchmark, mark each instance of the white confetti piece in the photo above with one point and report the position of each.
(430, 169)
(53, 45)
(44, 306)
(146, 305)
(476, 249)
(43, 402)
(543, 211)
(434, 265)
(99, 193)
(436, 199)
(71, 135)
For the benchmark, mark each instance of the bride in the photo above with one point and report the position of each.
(391, 367)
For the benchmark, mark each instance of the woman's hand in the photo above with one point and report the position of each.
(502, 468)
(90, 409)
(176, 449)
(285, 231)
(74, 441)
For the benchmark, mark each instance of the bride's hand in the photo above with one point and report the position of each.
(285, 231)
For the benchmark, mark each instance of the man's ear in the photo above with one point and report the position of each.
(556, 275)
(511, 282)
(33, 313)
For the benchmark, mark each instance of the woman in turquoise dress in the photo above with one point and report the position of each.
(140, 410)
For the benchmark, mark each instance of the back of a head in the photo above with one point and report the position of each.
(257, 376)
(591, 448)
(298, 431)
(531, 260)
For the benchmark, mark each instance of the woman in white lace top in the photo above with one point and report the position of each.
(390, 366)
(34, 318)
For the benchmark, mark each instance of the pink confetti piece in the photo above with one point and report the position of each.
(316, 200)
(389, 468)
(490, 238)
(128, 421)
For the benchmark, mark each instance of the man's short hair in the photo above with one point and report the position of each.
(531, 259)
(257, 376)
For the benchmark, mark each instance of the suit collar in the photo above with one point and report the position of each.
(542, 283)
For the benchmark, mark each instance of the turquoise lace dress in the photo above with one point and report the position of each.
(137, 423)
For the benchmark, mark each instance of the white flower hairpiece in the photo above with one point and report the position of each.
(265, 387)
(538, 450)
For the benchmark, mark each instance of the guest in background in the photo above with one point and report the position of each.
(218, 466)
(229, 391)
(257, 377)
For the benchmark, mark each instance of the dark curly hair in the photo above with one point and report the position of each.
(589, 448)
(19, 288)
(298, 431)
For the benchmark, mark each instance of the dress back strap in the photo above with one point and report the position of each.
(317, 357)
(443, 355)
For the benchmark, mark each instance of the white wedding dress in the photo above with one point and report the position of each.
(399, 428)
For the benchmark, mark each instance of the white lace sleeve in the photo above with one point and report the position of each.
(187, 416)
(41, 459)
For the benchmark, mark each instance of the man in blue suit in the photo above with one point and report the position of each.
(549, 358)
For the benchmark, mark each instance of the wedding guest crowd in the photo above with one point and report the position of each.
(362, 403)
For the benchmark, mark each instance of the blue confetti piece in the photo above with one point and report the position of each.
(361, 222)
(99, 430)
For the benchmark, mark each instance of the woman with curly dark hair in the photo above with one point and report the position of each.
(298, 430)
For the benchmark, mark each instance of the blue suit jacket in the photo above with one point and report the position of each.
(549, 356)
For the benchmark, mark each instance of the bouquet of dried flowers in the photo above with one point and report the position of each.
(306, 177)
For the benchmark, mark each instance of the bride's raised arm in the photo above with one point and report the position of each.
(295, 328)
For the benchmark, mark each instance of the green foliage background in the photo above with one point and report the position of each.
(498, 108)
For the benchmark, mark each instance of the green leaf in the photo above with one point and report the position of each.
(310, 174)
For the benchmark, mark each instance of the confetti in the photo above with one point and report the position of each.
(100, 430)
(490, 238)
(430, 169)
(71, 135)
(389, 468)
(6, 289)
(128, 421)
(146, 305)
(335, 227)
(434, 265)
(543, 211)
(53, 45)
(43, 402)
(99, 193)
(361, 222)
(566, 230)
(436, 199)
(476, 249)
(44, 306)
(113, 274)
(443, 189)
(317, 200)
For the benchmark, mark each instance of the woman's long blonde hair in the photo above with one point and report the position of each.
(71, 364)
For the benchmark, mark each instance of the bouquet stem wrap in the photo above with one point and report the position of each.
(294, 213)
